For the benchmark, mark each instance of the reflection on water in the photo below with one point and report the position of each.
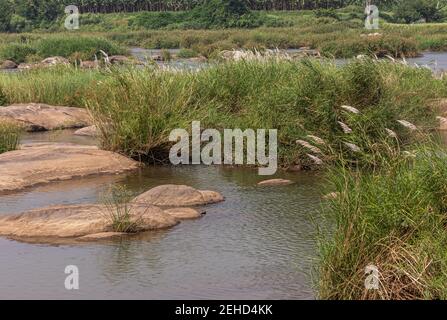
(57, 136)
(257, 244)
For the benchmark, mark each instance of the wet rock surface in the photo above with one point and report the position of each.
(171, 195)
(42, 117)
(40, 163)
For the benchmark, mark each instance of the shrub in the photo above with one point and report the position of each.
(16, 52)
(66, 46)
(187, 53)
(9, 136)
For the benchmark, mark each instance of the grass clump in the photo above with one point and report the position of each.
(393, 218)
(9, 136)
(119, 210)
(137, 109)
(17, 52)
(85, 48)
(187, 53)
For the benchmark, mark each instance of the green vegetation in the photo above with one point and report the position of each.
(137, 108)
(9, 136)
(73, 47)
(119, 210)
(56, 86)
(392, 218)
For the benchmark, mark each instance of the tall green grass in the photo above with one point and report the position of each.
(393, 218)
(9, 136)
(136, 108)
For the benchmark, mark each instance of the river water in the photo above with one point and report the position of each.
(436, 61)
(258, 244)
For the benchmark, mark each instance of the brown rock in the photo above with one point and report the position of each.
(79, 221)
(184, 213)
(41, 117)
(8, 64)
(178, 196)
(119, 59)
(90, 131)
(28, 66)
(46, 162)
(275, 182)
(54, 61)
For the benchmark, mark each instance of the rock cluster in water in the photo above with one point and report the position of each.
(94, 222)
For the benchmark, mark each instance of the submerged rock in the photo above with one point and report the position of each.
(8, 64)
(185, 213)
(87, 222)
(171, 195)
(275, 182)
(46, 162)
(90, 131)
(41, 117)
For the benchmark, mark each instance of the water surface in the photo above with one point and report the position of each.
(258, 244)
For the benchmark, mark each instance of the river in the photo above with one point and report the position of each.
(258, 244)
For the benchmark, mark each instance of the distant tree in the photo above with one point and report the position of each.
(411, 11)
(6, 10)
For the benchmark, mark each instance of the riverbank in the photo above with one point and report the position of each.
(136, 108)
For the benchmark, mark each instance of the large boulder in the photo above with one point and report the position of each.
(171, 195)
(80, 221)
(41, 117)
(46, 162)
(8, 64)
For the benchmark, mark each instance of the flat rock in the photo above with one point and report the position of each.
(275, 182)
(80, 221)
(171, 195)
(184, 213)
(90, 131)
(42, 117)
(40, 163)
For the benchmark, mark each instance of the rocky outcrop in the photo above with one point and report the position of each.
(178, 196)
(275, 182)
(8, 64)
(90, 131)
(42, 117)
(87, 222)
(45, 162)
